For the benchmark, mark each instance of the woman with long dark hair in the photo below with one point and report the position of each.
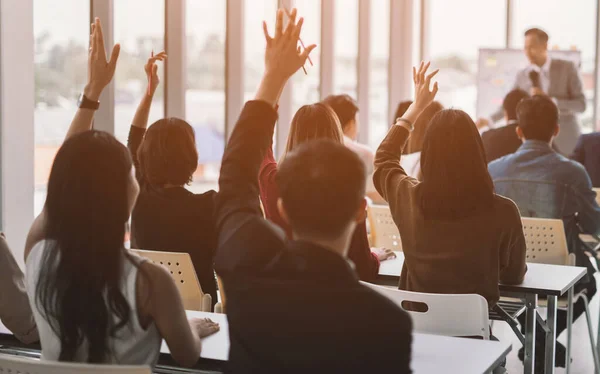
(457, 235)
(94, 301)
(311, 122)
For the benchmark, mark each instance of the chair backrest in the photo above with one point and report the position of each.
(182, 270)
(384, 231)
(597, 191)
(15, 364)
(449, 315)
(546, 241)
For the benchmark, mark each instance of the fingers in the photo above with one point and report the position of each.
(266, 31)
(414, 75)
(435, 89)
(423, 71)
(114, 56)
(100, 39)
(291, 25)
(154, 69)
(298, 29)
(304, 55)
(279, 24)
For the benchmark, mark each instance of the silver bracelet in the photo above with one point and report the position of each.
(409, 124)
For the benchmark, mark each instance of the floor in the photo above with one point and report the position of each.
(582, 363)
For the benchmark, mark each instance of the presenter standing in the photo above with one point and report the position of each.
(556, 78)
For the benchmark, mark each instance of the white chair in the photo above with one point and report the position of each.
(449, 315)
(21, 365)
(182, 270)
(546, 243)
(384, 232)
(597, 191)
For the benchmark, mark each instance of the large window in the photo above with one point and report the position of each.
(345, 71)
(306, 87)
(256, 11)
(453, 38)
(140, 28)
(379, 68)
(205, 95)
(571, 25)
(61, 31)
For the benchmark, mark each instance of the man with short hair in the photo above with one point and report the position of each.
(557, 79)
(504, 140)
(297, 306)
(545, 184)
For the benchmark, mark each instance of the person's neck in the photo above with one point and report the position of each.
(339, 245)
(542, 62)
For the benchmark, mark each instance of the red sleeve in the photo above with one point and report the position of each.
(366, 262)
(269, 193)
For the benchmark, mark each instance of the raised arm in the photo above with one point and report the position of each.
(100, 73)
(389, 176)
(140, 120)
(238, 213)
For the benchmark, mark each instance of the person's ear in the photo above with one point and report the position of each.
(556, 130)
(282, 212)
(361, 212)
(519, 132)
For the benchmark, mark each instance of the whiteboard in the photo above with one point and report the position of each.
(497, 69)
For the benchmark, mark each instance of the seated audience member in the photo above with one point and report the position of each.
(545, 184)
(93, 300)
(457, 235)
(504, 140)
(587, 153)
(15, 311)
(317, 121)
(346, 110)
(168, 217)
(411, 161)
(296, 306)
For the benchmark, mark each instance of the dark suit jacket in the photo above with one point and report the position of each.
(293, 307)
(587, 153)
(500, 142)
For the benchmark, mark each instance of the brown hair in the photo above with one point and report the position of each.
(168, 153)
(344, 106)
(316, 121)
(415, 142)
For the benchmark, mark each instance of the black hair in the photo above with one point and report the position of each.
(511, 101)
(538, 118)
(87, 206)
(322, 185)
(456, 182)
(539, 33)
(344, 106)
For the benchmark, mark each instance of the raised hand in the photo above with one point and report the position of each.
(282, 56)
(151, 70)
(423, 94)
(100, 69)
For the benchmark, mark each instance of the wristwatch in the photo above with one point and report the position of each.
(85, 103)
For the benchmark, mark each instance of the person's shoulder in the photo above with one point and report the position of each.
(564, 64)
(499, 164)
(505, 206)
(593, 137)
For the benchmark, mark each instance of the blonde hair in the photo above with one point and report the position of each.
(311, 122)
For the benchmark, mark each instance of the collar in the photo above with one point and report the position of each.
(512, 122)
(323, 263)
(536, 145)
(544, 69)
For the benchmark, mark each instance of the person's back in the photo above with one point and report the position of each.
(536, 161)
(131, 345)
(586, 153)
(297, 306)
(167, 217)
(457, 235)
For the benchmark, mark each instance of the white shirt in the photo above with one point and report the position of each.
(133, 344)
(544, 72)
(366, 155)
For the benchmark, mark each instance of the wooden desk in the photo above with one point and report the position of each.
(549, 281)
(430, 353)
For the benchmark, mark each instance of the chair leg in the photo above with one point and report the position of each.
(591, 332)
(569, 330)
